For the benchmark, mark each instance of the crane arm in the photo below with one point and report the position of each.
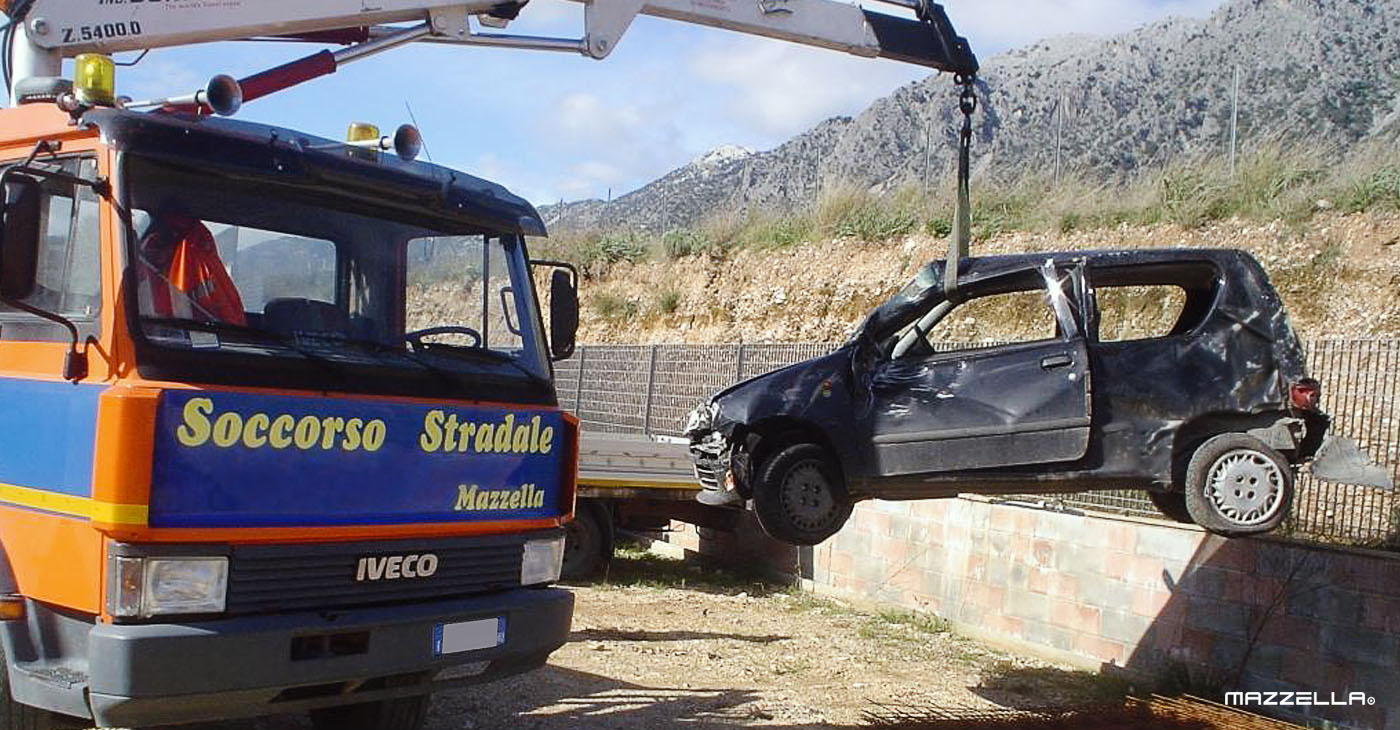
(54, 29)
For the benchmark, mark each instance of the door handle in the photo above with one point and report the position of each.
(1056, 361)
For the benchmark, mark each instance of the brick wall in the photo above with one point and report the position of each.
(1145, 596)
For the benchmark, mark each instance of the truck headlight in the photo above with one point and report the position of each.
(542, 562)
(145, 587)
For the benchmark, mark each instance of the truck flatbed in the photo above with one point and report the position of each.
(625, 466)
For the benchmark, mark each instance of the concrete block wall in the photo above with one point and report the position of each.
(1152, 597)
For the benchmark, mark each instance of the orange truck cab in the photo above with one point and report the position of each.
(279, 431)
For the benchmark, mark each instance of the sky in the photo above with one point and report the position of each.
(554, 126)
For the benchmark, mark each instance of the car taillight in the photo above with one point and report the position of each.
(1306, 394)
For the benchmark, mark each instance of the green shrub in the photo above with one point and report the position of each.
(668, 301)
(612, 307)
(862, 215)
(597, 255)
(763, 231)
(940, 227)
(1379, 190)
(681, 242)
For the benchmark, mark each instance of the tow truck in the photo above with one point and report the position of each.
(280, 432)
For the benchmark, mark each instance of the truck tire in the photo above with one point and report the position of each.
(1236, 485)
(800, 496)
(403, 713)
(588, 541)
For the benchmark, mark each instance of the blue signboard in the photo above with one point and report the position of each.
(246, 460)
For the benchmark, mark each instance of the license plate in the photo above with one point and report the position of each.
(484, 633)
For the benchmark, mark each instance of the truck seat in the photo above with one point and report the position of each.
(289, 315)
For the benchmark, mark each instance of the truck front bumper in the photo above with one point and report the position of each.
(155, 674)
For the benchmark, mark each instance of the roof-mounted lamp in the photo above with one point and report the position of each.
(407, 141)
(95, 79)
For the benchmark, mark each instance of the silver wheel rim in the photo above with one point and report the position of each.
(1245, 487)
(806, 496)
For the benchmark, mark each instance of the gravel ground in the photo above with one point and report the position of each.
(663, 644)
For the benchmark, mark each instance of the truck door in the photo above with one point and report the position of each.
(1002, 380)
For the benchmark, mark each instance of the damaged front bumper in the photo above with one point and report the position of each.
(711, 453)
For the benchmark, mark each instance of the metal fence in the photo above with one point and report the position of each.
(648, 389)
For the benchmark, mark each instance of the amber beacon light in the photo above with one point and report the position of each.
(95, 79)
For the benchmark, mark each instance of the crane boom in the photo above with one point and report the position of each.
(51, 30)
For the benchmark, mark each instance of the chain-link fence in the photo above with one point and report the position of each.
(648, 389)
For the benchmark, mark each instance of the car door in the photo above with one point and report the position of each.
(960, 405)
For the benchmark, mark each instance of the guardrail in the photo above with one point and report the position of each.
(649, 389)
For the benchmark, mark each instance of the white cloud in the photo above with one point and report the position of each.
(781, 89)
(591, 179)
(157, 77)
(622, 143)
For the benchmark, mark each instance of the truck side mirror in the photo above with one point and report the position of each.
(563, 314)
(19, 236)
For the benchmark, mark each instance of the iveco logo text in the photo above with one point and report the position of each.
(396, 567)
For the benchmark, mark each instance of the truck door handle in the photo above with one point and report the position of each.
(1056, 361)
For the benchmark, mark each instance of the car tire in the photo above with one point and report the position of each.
(1236, 485)
(1172, 505)
(799, 495)
(402, 713)
(588, 541)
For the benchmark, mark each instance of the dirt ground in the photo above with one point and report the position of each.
(663, 644)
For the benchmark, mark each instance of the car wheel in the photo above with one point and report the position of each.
(1237, 485)
(799, 495)
(588, 541)
(1172, 505)
(403, 713)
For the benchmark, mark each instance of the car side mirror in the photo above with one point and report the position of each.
(19, 236)
(563, 313)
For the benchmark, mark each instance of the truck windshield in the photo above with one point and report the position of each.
(228, 267)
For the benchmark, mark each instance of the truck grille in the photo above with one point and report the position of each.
(273, 578)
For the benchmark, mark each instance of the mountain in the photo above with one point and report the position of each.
(1324, 73)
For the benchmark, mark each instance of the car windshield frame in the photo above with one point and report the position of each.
(328, 360)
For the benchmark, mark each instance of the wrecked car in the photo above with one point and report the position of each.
(1173, 371)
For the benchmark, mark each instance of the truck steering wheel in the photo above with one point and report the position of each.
(416, 336)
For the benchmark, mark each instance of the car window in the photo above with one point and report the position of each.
(1147, 301)
(996, 319)
(1139, 312)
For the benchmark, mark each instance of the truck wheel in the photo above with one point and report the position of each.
(799, 495)
(1237, 485)
(1172, 505)
(588, 541)
(403, 713)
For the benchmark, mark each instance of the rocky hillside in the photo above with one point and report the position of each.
(1338, 274)
(1322, 73)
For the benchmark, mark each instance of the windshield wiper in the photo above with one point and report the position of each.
(261, 335)
(443, 374)
(500, 357)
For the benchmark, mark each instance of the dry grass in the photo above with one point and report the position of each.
(1274, 182)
